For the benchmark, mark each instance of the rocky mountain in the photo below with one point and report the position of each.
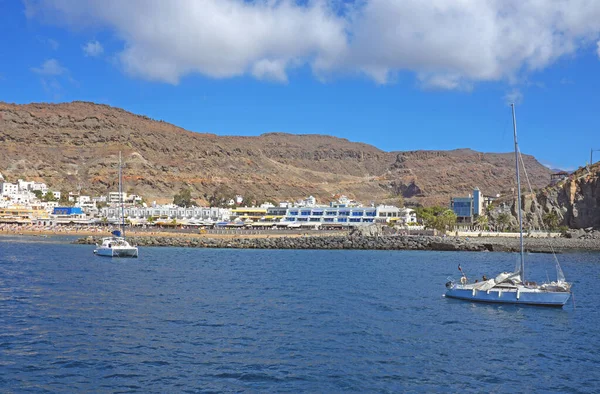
(573, 202)
(76, 144)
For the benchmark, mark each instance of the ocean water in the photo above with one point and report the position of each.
(203, 320)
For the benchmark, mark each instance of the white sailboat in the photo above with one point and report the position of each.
(511, 287)
(117, 245)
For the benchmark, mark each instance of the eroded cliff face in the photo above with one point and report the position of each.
(77, 144)
(581, 198)
(575, 202)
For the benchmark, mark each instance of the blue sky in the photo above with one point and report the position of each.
(400, 75)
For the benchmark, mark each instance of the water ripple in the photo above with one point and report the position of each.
(192, 320)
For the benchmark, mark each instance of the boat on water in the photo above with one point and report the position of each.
(117, 245)
(511, 287)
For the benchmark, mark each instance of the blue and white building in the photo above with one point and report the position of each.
(466, 208)
(347, 216)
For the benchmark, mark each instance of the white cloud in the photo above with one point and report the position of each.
(53, 44)
(93, 48)
(270, 69)
(52, 73)
(50, 67)
(513, 97)
(446, 44)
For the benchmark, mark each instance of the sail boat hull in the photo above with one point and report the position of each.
(116, 247)
(522, 296)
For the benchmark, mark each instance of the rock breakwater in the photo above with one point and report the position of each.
(314, 242)
(391, 242)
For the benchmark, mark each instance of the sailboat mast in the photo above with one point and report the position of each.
(518, 194)
(121, 197)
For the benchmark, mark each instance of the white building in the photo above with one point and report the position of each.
(116, 197)
(168, 213)
(408, 215)
(387, 213)
(98, 199)
(23, 198)
(8, 189)
(49, 205)
(32, 185)
(310, 201)
(134, 199)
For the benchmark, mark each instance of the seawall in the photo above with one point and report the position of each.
(391, 242)
(308, 242)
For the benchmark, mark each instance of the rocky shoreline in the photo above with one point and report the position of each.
(391, 242)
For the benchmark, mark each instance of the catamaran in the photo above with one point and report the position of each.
(117, 245)
(511, 287)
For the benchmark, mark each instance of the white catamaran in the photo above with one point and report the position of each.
(511, 287)
(117, 245)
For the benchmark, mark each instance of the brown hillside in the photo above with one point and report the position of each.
(71, 144)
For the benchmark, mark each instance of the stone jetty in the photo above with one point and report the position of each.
(357, 241)
(309, 242)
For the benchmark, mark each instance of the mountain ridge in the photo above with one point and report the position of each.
(77, 143)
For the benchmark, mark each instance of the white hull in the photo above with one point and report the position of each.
(117, 252)
(521, 295)
(116, 247)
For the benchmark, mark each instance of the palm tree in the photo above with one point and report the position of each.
(503, 220)
(482, 222)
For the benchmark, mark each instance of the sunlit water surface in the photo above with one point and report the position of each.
(203, 320)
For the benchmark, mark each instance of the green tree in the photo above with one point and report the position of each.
(551, 220)
(503, 221)
(184, 198)
(445, 220)
(64, 198)
(38, 194)
(49, 196)
(482, 221)
(439, 218)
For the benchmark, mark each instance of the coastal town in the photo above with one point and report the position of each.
(32, 204)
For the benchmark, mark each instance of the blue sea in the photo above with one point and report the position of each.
(206, 320)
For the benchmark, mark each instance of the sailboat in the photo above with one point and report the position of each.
(117, 245)
(511, 287)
